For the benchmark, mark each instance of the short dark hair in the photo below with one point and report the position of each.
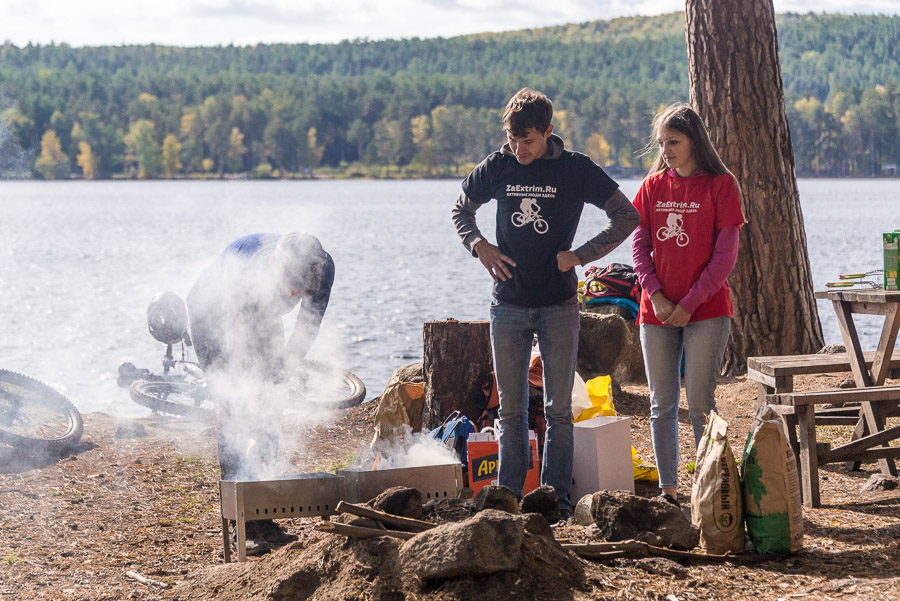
(528, 109)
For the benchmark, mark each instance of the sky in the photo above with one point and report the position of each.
(247, 22)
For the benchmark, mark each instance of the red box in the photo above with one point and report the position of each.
(483, 457)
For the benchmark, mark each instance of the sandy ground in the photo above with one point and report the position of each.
(140, 496)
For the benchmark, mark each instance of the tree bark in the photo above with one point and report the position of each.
(736, 88)
(456, 362)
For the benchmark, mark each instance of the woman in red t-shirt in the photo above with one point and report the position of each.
(684, 249)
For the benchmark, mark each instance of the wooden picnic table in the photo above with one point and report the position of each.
(846, 302)
(867, 406)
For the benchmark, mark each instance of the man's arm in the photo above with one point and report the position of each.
(464, 221)
(309, 319)
(623, 218)
(496, 263)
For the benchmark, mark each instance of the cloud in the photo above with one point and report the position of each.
(243, 22)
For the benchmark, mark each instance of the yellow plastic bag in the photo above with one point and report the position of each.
(643, 471)
(599, 393)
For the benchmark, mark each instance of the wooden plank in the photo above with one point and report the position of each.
(851, 340)
(860, 295)
(870, 455)
(886, 344)
(875, 424)
(778, 365)
(852, 449)
(836, 420)
(837, 396)
(763, 378)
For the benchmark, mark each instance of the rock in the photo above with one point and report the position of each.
(610, 344)
(542, 500)
(131, 430)
(662, 567)
(622, 516)
(399, 500)
(582, 513)
(411, 372)
(487, 543)
(538, 525)
(879, 481)
(496, 497)
(832, 349)
(399, 414)
(846, 383)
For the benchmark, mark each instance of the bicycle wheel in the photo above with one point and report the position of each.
(188, 399)
(330, 386)
(33, 416)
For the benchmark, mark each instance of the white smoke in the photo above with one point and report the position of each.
(409, 449)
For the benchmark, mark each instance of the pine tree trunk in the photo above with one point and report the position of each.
(736, 88)
(456, 361)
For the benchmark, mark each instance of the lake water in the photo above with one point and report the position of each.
(79, 261)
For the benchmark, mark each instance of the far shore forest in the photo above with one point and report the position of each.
(421, 108)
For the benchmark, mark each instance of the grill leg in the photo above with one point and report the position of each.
(225, 539)
(241, 535)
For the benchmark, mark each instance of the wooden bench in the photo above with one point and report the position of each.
(775, 374)
(798, 409)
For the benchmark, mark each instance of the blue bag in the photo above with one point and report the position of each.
(454, 433)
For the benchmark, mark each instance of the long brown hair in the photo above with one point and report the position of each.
(682, 118)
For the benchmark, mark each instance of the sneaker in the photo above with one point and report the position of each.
(254, 544)
(669, 499)
(273, 534)
(564, 515)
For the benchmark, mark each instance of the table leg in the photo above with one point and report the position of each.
(870, 417)
(882, 362)
(809, 460)
(861, 375)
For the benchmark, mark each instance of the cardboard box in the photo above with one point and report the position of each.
(602, 456)
(484, 456)
(891, 245)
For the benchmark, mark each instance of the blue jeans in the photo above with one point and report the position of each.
(703, 344)
(512, 332)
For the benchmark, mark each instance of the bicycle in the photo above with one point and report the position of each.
(521, 218)
(182, 388)
(35, 417)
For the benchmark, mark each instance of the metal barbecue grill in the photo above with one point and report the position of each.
(317, 494)
(433, 481)
(299, 495)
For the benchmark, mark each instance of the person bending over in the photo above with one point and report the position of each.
(235, 310)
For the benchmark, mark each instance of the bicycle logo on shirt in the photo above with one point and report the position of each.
(673, 229)
(530, 213)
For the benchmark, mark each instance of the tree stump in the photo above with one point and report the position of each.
(456, 361)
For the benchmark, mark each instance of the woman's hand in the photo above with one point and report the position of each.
(678, 318)
(566, 260)
(494, 261)
(662, 307)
